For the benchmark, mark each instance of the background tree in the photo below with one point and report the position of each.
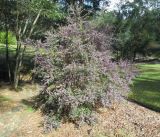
(23, 23)
(86, 4)
(136, 26)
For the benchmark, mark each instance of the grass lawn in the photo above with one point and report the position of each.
(26, 67)
(12, 49)
(146, 86)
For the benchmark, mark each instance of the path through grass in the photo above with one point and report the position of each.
(15, 108)
(146, 87)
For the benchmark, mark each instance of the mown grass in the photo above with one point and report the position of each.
(12, 49)
(28, 55)
(146, 86)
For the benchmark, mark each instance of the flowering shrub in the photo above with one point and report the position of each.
(78, 74)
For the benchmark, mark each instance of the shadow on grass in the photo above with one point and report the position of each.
(146, 88)
(6, 104)
(149, 106)
(3, 99)
(147, 85)
(9, 87)
(32, 103)
(28, 102)
(27, 65)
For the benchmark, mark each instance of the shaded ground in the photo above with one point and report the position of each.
(14, 112)
(27, 65)
(127, 120)
(18, 119)
(146, 87)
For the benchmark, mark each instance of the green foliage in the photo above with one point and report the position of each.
(136, 25)
(80, 111)
(50, 9)
(11, 38)
(104, 18)
(29, 22)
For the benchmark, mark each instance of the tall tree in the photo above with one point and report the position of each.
(134, 28)
(5, 15)
(89, 4)
(24, 22)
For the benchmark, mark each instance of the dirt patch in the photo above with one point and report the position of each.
(131, 120)
(125, 120)
(31, 126)
(13, 112)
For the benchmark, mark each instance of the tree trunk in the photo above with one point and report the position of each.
(16, 77)
(17, 61)
(6, 42)
(7, 56)
(19, 51)
(134, 55)
(34, 23)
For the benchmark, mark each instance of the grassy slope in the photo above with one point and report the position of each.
(146, 87)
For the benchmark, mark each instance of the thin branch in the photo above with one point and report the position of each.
(35, 21)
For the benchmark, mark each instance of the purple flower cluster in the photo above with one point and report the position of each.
(78, 73)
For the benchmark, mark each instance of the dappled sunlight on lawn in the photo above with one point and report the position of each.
(146, 87)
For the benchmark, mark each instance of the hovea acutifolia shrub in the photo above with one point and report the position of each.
(78, 74)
